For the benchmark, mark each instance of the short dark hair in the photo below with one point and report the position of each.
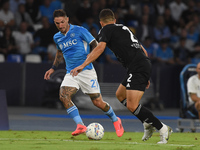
(59, 13)
(106, 15)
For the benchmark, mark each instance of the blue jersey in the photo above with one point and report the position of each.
(74, 46)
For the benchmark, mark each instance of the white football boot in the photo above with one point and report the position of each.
(164, 137)
(148, 131)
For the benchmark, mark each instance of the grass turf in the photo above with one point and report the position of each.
(61, 140)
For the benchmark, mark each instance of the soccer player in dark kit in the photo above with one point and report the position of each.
(134, 58)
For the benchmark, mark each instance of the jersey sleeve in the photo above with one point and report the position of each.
(104, 35)
(55, 41)
(86, 35)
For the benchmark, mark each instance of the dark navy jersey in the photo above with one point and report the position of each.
(123, 43)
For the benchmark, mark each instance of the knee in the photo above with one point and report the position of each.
(64, 98)
(132, 107)
(97, 103)
(120, 96)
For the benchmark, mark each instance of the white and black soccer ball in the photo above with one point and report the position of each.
(95, 131)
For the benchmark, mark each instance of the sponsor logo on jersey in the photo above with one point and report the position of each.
(61, 46)
(136, 45)
(68, 43)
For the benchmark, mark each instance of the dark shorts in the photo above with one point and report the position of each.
(137, 75)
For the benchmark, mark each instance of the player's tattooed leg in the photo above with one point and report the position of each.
(94, 96)
(66, 94)
(98, 101)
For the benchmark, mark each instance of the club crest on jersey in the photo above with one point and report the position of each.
(72, 35)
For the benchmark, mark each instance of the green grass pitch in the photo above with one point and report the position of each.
(62, 140)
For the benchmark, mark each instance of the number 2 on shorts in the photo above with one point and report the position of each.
(129, 78)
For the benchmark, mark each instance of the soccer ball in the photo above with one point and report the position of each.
(95, 131)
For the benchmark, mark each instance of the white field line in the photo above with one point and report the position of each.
(130, 143)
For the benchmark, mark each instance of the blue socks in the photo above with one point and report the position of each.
(74, 114)
(110, 113)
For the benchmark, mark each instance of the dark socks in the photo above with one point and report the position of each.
(145, 115)
(124, 102)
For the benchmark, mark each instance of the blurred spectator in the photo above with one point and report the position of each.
(71, 7)
(194, 92)
(189, 12)
(32, 8)
(22, 16)
(175, 37)
(150, 47)
(196, 22)
(169, 21)
(146, 11)
(6, 16)
(197, 6)
(102, 4)
(150, 6)
(122, 8)
(89, 23)
(181, 53)
(7, 42)
(14, 4)
(51, 52)
(164, 53)
(84, 11)
(192, 34)
(130, 19)
(43, 37)
(24, 39)
(189, 44)
(57, 4)
(160, 7)
(95, 12)
(47, 9)
(110, 56)
(111, 4)
(177, 7)
(161, 30)
(144, 29)
(136, 7)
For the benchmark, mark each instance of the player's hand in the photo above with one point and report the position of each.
(148, 84)
(76, 70)
(48, 74)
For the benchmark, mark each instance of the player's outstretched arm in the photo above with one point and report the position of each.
(96, 52)
(144, 50)
(57, 60)
(93, 44)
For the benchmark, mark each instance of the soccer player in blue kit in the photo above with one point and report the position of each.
(133, 57)
(73, 43)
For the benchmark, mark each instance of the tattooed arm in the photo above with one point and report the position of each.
(58, 59)
(93, 44)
